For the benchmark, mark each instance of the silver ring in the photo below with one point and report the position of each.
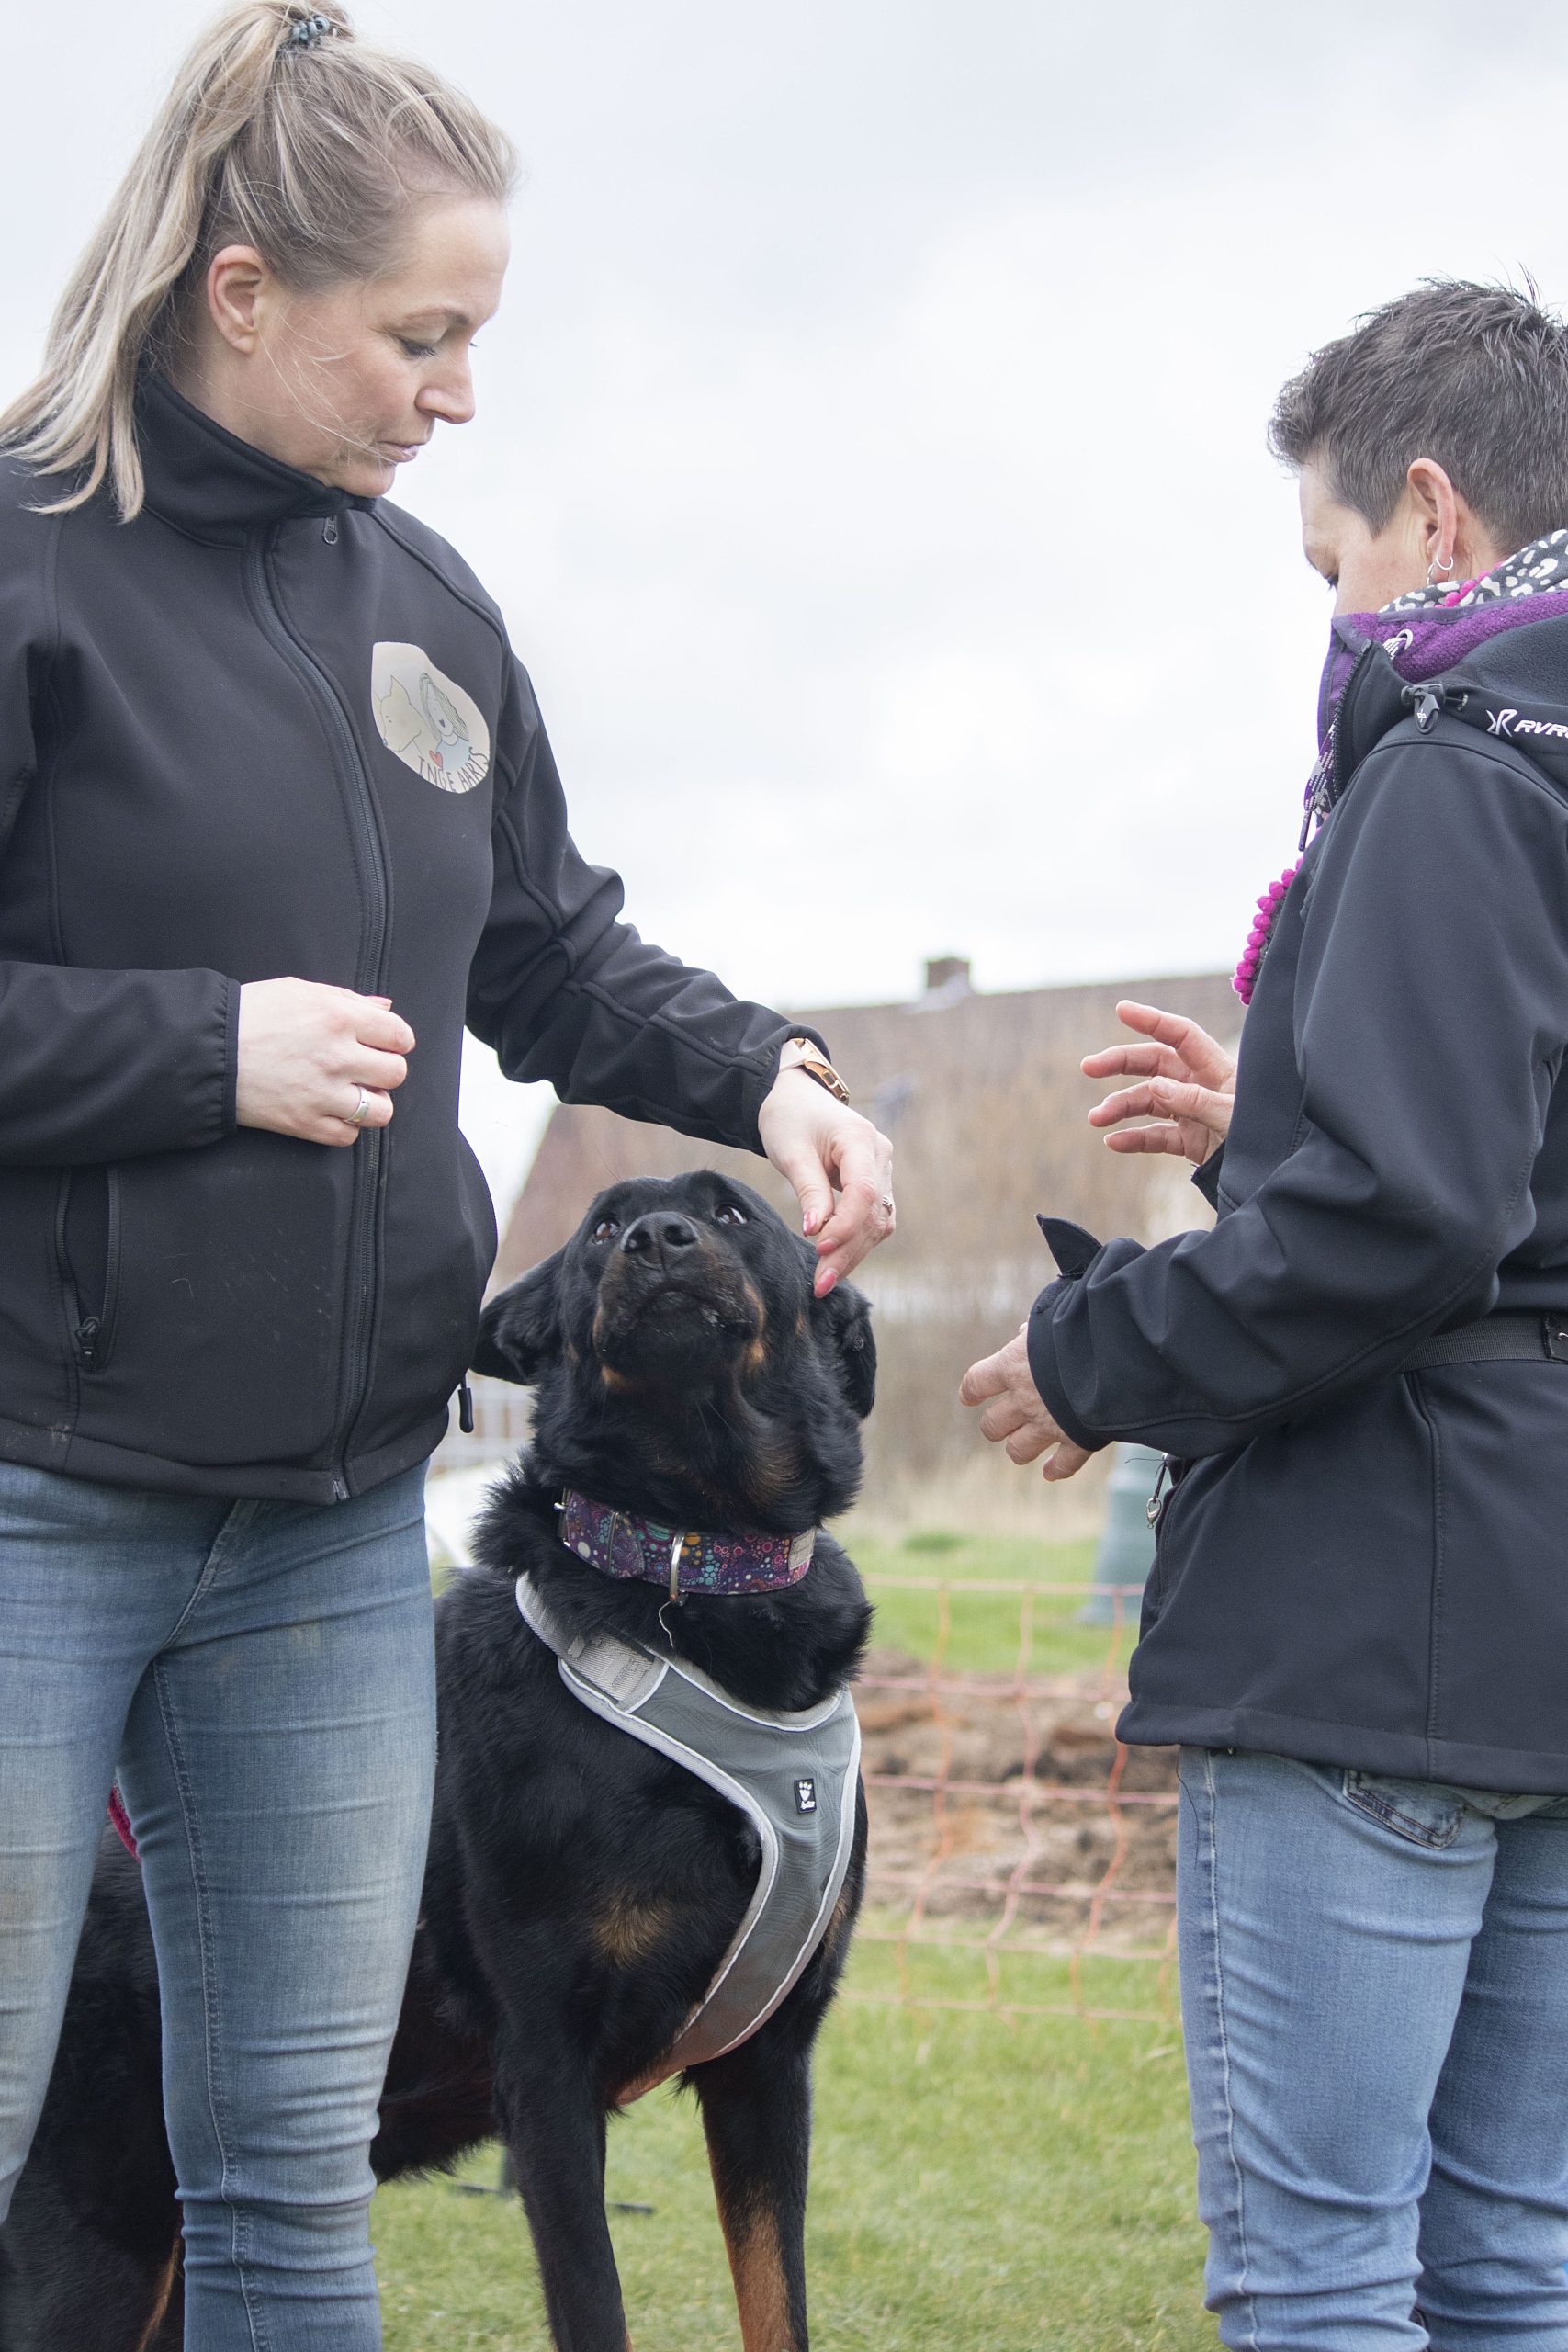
(887, 1203)
(361, 1110)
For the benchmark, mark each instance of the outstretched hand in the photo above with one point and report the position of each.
(840, 1166)
(1187, 1082)
(1016, 1416)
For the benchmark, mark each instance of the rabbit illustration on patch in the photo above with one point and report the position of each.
(426, 720)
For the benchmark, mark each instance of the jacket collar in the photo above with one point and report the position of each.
(1377, 661)
(211, 484)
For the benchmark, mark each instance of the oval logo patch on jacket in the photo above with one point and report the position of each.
(428, 720)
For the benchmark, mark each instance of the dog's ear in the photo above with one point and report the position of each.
(847, 1313)
(520, 1330)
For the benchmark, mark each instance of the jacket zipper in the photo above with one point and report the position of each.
(368, 1152)
(1328, 780)
(91, 1316)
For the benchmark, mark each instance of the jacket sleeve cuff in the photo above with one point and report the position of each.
(1207, 1176)
(759, 1071)
(1041, 1345)
(230, 1111)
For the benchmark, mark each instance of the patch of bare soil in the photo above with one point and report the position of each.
(991, 1803)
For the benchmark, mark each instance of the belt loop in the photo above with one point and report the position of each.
(1554, 1338)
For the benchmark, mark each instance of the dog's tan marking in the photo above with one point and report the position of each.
(627, 1931)
(770, 1473)
(838, 1927)
(754, 1362)
(761, 2294)
(165, 2291)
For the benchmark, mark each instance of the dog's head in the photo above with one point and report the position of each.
(682, 1362)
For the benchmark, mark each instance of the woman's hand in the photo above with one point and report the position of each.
(822, 1148)
(305, 1052)
(1017, 1414)
(1188, 1085)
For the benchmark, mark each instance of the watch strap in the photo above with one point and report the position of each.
(804, 1053)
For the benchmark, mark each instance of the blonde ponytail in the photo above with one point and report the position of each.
(281, 131)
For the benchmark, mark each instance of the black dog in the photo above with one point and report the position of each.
(582, 1890)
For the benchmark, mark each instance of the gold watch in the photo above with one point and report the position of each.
(800, 1053)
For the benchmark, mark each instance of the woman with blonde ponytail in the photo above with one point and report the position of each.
(278, 817)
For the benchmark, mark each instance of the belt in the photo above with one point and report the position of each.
(1497, 1338)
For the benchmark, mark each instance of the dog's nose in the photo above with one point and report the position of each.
(660, 1233)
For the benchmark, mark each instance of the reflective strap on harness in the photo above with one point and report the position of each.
(794, 1776)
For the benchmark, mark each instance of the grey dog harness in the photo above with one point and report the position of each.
(792, 1776)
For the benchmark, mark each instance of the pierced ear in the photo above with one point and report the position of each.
(848, 1315)
(520, 1330)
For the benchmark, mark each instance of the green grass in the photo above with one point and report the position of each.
(984, 1628)
(999, 2186)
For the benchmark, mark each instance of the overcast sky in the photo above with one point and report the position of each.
(870, 452)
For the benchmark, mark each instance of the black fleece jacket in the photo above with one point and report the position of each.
(267, 729)
(1357, 1565)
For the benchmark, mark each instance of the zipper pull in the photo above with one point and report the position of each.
(87, 1334)
(465, 1407)
(1152, 1513)
(329, 530)
(1320, 785)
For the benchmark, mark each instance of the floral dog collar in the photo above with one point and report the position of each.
(623, 1543)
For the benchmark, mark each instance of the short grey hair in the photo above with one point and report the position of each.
(1475, 377)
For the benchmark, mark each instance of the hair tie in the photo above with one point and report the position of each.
(309, 33)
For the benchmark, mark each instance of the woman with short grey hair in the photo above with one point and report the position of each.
(1357, 1624)
(277, 818)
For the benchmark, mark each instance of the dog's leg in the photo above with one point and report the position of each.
(555, 2134)
(757, 2113)
(82, 2293)
(167, 2333)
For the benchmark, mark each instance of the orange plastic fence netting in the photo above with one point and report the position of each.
(1007, 1821)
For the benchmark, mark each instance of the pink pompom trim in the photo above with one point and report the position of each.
(1269, 906)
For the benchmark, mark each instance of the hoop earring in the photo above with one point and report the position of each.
(1437, 564)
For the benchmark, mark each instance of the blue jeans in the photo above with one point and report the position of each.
(1374, 1990)
(262, 1675)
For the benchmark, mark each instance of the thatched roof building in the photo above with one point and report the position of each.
(985, 1103)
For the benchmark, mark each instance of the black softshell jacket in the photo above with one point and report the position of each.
(1362, 1566)
(269, 729)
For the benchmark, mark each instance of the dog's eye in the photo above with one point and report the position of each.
(606, 1229)
(730, 1214)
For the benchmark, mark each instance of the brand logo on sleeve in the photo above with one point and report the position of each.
(425, 718)
(1510, 723)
